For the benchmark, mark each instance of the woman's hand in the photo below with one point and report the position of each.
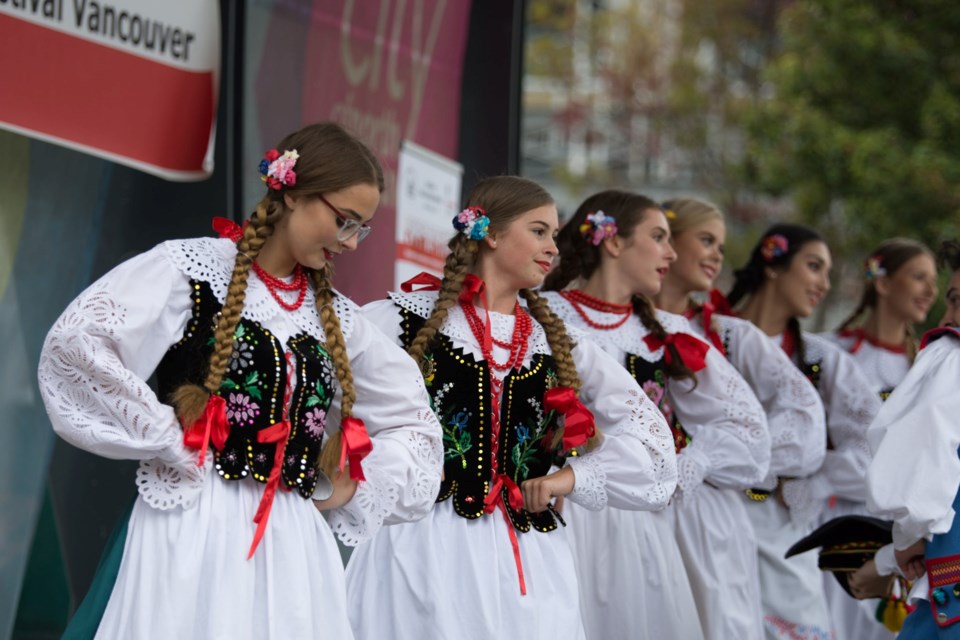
(540, 492)
(910, 560)
(865, 582)
(343, 489)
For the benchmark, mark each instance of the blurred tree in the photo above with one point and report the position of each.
(863, 125)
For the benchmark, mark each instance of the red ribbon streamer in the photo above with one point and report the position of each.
(275, 433)
(578, 422)
(474, 286)
(211, 425)
(720, 303)
(692, 350)
(428, 281)
(354, 443)
(707, 311)
(493, 500)
(227, 228)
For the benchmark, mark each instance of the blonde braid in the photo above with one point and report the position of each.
(562, 347)
(191, 399)
(336, 345)
(461, 257)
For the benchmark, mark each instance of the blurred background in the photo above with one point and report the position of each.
(841, 114)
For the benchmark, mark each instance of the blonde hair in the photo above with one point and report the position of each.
(504, 198)
(686, 213)
(330, 160)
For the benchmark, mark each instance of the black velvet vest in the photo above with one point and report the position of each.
(652, 378)
(253, 389)
(459, 388)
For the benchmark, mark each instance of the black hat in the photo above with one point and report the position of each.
(845, 544)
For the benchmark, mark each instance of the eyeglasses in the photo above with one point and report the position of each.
(347, 227)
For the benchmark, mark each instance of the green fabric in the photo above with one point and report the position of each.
(83, 625)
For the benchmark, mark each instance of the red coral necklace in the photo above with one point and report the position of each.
(276, 285)
(578, 300)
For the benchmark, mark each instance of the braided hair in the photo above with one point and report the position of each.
(504, 198)
(767, 253)
(580, 258)
(330, 159)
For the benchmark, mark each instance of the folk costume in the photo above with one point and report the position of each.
(479, 566)
(723, 448)
(791, 590)
(850, 404)
(200, 513)
(884, 365)
(914, 479)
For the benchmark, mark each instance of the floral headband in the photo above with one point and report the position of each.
(773, 247)
(597, 227)
(472, 222)
(277, 170)
(873, 268)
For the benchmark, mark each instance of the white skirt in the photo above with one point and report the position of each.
(793, 601)
(632, 580)
(185, 573)
(450, 577)
(719, 550)
(852, 619)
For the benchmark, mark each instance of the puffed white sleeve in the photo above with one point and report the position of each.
(795, 415)
(634, 467)
(93, 370)
(730, 443)
(850, 404)
(915, 472)
(403, 469)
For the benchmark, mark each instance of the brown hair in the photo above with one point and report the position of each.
(504, 199)
(580, 258)
(330, 160)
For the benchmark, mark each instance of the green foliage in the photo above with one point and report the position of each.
(862, 132)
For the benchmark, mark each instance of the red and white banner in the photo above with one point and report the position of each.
(132, 81)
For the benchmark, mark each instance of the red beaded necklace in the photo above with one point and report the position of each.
(275, 285)
(517, 345)
(579, 299)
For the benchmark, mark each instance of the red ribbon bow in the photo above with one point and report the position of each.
(211, 425)
(228, 228)
(720, 303)
(276, 433)
(474, 286)
(429, 281)
(692, 350)
(578, 422)
(354, 443)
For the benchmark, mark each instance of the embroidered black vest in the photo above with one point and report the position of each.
(459, 388)
(652, 377)
(253, 388)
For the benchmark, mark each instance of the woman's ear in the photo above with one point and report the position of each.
(613, 246)
(289, 200)
(490, 240)
(769, 273)
(882, 286)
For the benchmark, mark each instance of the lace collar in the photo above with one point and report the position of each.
(456, 327)
(211, 260)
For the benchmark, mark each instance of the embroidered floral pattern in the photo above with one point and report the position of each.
(316, 421)
(529, 441)
(240, 409)
(456, 436)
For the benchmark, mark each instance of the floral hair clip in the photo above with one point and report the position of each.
(277, 170)
(670, 213)
(597, 227)
(773, 247)
(472, 222)
(873, 268)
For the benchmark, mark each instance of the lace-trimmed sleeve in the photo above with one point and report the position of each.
(634, 467)
(726, 423)
(93, 368)
(795, 414)
(403, 470)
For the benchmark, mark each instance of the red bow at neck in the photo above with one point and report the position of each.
(228, 228)
(692, 350)
(578, 422)
(428, 281)
(720, 303)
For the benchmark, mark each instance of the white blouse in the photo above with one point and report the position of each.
(730, 442)
(850, 404)
(634, 467)
(99, 354)
(798, 429)
(884, 368)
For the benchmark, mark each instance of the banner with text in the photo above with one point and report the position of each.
(132, 81)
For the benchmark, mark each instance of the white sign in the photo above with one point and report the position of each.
(428, 198)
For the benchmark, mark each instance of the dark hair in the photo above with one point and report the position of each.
(579, 258)
(948, 255)
(776, 249)
(330, 159)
